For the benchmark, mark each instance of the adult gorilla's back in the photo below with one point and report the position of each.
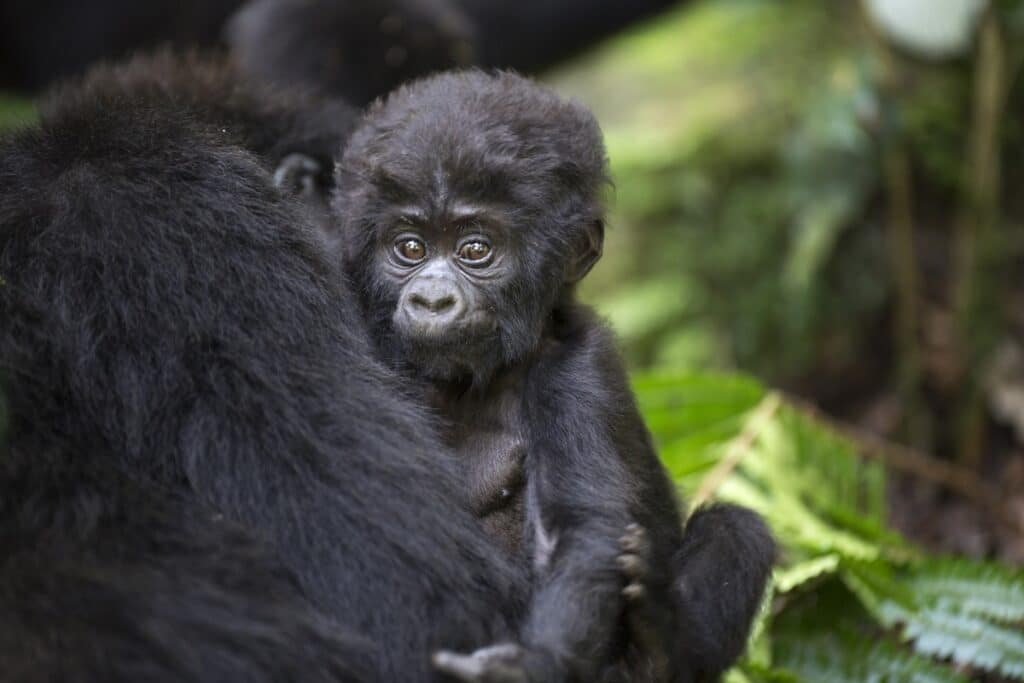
(196, 429)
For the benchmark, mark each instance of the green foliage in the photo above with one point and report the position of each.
(748, 224)
(15, 111)
(845, 657)
(738, 136)
(983, 591)
(961, 624)
(853, 600)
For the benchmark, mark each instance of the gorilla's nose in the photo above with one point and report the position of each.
(433, 306)
(435, 300)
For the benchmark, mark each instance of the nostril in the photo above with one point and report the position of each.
(442, 304)
(418, 300)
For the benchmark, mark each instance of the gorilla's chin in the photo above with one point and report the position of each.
(451, 357)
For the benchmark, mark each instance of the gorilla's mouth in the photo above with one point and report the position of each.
(466, 350)
(465, 341)
(472, 329)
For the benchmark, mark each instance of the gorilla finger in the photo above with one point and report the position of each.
(632, 565)
(463, 667)
(635, 539)
(634, 592)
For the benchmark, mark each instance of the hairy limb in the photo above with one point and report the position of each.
(722, 570)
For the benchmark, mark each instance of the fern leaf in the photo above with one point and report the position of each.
(880, 592)
(798, 574)
(975, 588)
(967, 640)
(847, 657)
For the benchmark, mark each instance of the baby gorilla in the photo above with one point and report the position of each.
(470, 208)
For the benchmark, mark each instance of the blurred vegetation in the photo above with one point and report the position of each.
(740, 164)
(851, 599)
(799, 197)
(15, 111)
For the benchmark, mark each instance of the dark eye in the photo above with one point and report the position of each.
(411, 250)
(475, 252)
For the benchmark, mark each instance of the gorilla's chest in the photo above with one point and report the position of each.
(488, 434)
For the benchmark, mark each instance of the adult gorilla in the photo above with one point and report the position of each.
(359, 49)
(205, 477)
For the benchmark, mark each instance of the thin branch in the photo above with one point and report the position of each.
(982, 168)
(978, 213)
(896, 171)
(960, 480)
(737, 448)
(903, 257)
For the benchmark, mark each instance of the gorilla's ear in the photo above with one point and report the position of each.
(297, 175)
(586, 251)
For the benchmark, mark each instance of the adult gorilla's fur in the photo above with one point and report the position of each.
(43, 41)
(273, 121)
(205, 476)
(358, 49)
(362, 49)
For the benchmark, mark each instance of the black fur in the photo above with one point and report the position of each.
(355, 48)
(531, 386)
(532, 35)
(206, 476)
(106, 578)
(42, 41)
(358, 49)
(277, 123)
(362, 49)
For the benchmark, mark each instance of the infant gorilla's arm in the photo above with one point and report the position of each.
(593, 470)
(470, 207)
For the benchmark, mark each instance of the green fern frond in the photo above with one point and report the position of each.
(699, 450)
(800, 573)
(826, 506)
(760, 674)
(967, 640)
(880, 591)
(847, 657)
(691, 415)
(946, 631)
(759, 649)
(980, 589)
(713, 387)
(677, 404)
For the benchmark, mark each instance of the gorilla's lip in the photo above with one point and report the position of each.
(476, 329)
(465, 349)
(461, 337)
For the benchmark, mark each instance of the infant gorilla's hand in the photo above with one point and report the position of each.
(501, 663)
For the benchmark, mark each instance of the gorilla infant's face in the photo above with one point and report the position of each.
(447, 266)
(469, 208)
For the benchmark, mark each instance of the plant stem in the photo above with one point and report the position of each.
(737, 448)
(896, 166)
(903, 257)
(977, 217)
